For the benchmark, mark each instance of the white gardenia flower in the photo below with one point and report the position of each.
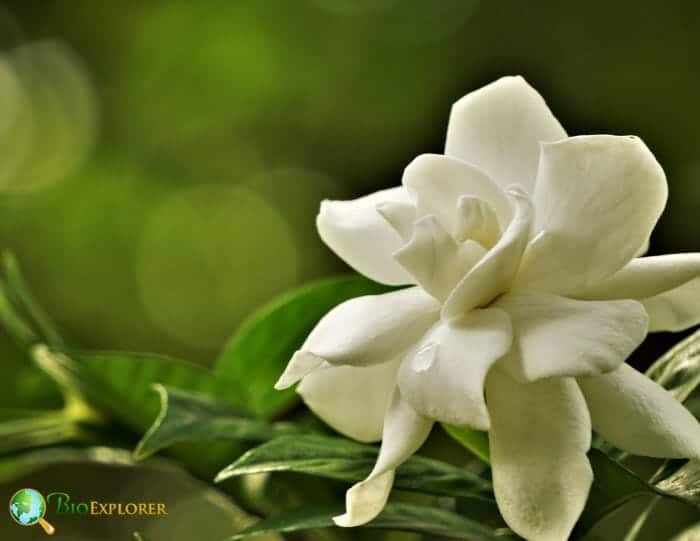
(522, 246)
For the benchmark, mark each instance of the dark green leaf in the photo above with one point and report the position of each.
(689, 534)
(120, 386)
(344, 460)
(614, 485)
(396, 516)
(120, 383)
(28, 462)
(261, 348)
(12, 468)
(476, 441)
(48, 428)
(188, 416)
(678, 370)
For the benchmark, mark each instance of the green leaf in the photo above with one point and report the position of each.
(139, 537)
(22, 464)
(261, 348)
(119, 385)
(345, 460)
(49, 428)
(396, 516)
(684, 483)
(27, 305)
(614, 485)
(689, 534)
(12, 468)
(188, 416)
(475, 441)
(678, 370)
(25, 429)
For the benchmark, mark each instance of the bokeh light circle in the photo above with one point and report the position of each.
(209, 256)
(49, 101)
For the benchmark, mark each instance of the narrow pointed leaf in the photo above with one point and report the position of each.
(614, 486)
(50, 428)
(396, 516)
(188, 416)
(22, 464)
(345, 460)
(119, 385)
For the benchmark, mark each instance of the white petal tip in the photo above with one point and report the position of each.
(328, 211)
(366, 499)
(344, 521)
(301, 364)
(483, 424)
(400, 216)
(283, 384)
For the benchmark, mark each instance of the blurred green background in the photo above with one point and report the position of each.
(161, 162)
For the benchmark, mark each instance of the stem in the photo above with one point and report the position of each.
(15, 325)
(33, 309)
(46, 429)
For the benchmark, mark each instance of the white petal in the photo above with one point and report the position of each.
(556, 336)
(434, 259)
(499, 127)
(646, 277)
(597, 200)
(636, 414)
(439, 181)
(477, 220)
(404, 433)
(364, 331)
(300, 365)
(444, 377)
(674, 310)
(495, 271)
(540, 433)
(347, 227)
(401, 216)
(351, 399)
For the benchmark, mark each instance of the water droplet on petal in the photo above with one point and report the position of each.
(424, 358)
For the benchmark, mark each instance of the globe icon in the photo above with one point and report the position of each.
(28, 507)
